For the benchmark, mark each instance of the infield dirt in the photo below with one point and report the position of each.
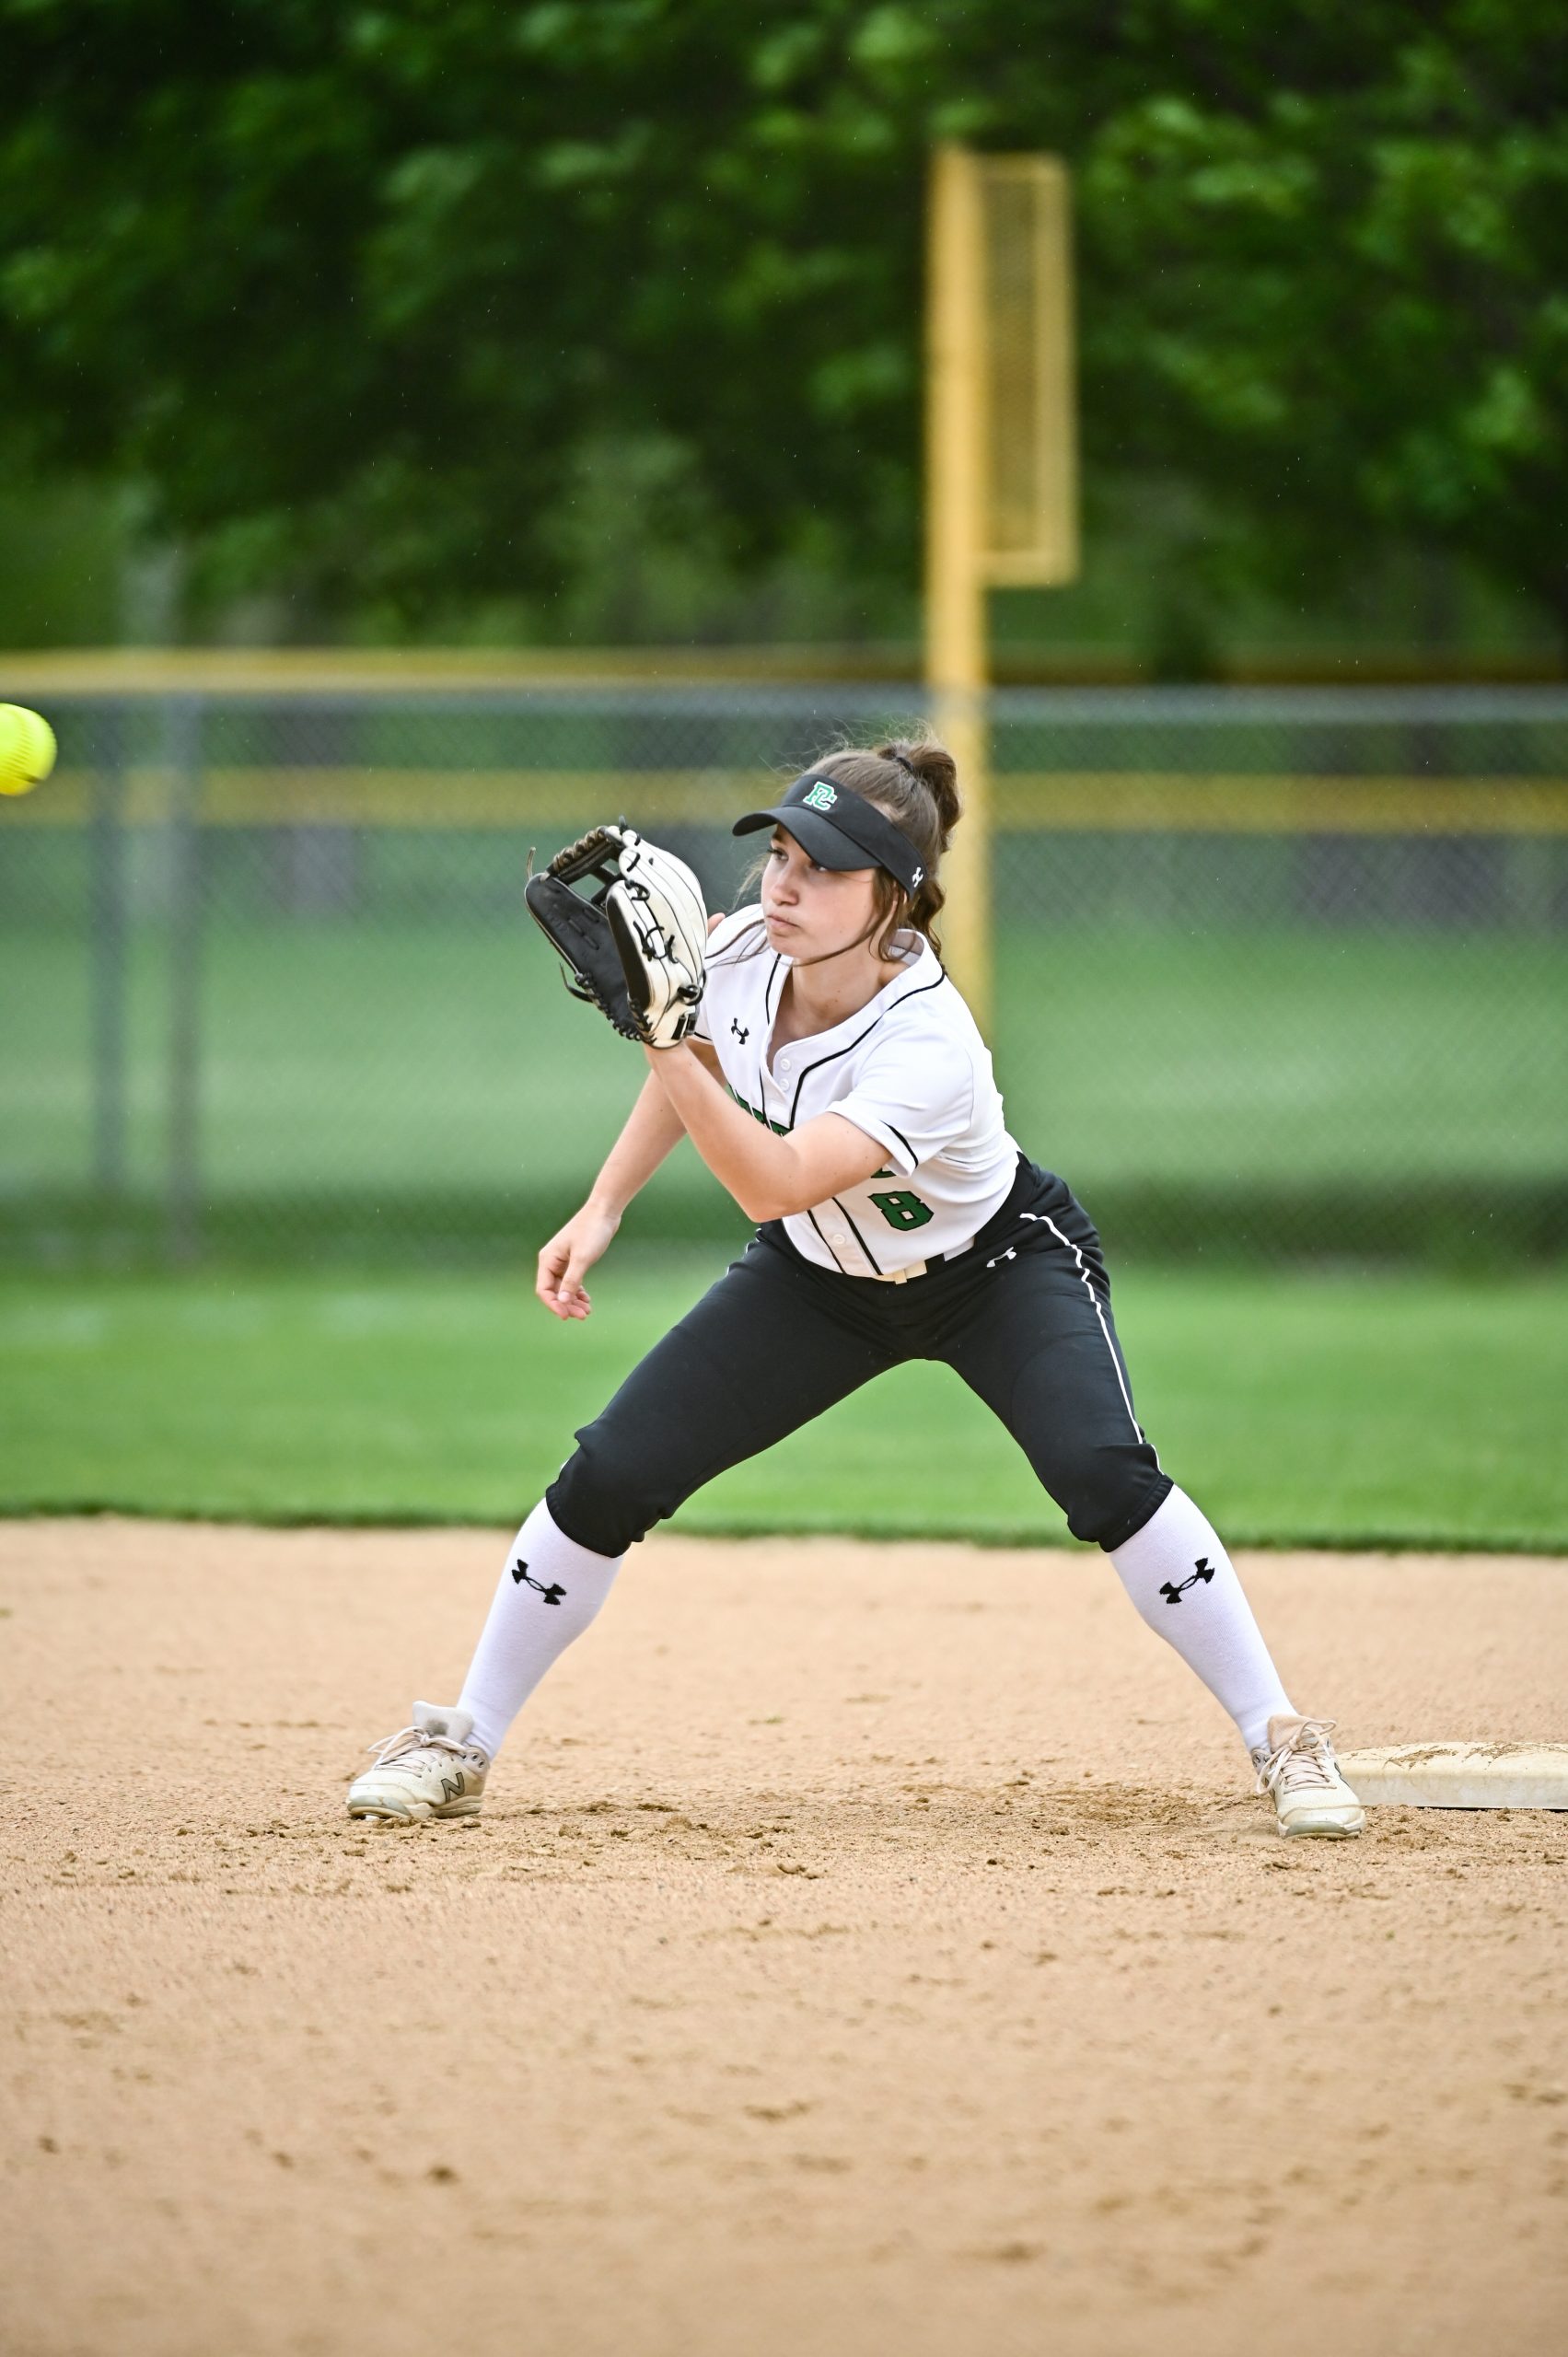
(872, 1952)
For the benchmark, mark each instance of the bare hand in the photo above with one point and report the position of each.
(568, 1256)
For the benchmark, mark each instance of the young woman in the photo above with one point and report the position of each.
(838, 1086)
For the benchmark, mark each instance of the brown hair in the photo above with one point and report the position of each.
(914, 782)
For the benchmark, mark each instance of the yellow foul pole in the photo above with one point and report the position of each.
(1001, 468)
(955, 528)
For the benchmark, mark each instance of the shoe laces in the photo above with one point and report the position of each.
(1305, 1760)
(411, 1739)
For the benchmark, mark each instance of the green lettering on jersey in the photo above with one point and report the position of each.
(903, 1210)
(779, 1128)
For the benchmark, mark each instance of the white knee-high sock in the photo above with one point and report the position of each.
(550, 1590)
(1185, 1585)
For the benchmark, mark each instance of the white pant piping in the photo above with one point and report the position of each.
(1084, 1281)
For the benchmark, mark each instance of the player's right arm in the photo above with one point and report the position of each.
(652, 1130)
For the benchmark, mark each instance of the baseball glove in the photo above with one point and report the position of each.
(634, 946)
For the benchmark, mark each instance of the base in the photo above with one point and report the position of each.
(1460, 1775)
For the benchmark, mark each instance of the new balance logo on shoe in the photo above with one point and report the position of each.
(454, 1787)
(1202, 1569)
(551, 1595)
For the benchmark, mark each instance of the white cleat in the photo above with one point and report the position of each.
(427, 1770)
(1297, 1770)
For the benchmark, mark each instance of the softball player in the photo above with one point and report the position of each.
(835, 1083)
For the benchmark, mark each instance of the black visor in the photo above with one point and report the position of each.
(838, 829)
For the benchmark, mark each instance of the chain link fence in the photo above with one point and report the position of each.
(1277, 972)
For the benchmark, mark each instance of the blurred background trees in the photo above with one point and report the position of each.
(602, 321)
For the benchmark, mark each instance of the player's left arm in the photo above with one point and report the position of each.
(769, 1177)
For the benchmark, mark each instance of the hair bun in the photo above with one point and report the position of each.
(935, 768)
(914, 781)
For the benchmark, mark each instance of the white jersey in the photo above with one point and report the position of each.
(908, 1068)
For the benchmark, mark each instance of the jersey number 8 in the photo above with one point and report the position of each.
(903, 1210)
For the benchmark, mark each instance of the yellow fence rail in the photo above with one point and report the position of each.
(1087, 801)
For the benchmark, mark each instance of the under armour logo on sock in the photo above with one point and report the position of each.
(1202, 1569)
(741, 1031)
(551, 1595)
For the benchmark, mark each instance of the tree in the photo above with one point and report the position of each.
(359, 290)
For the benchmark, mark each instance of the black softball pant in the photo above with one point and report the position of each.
(1024, 1315)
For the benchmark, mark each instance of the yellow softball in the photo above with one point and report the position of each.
(26, 748)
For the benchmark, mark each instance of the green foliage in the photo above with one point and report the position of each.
(360, 294)
(1344, 289)
(67, 550)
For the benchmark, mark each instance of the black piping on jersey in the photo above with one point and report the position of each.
(822, 1239)
(856, 1041)
(805, 1076)
(848, 1051)
(777, 1128)
(855, 1233)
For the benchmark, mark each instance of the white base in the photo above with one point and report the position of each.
(1460, 1775)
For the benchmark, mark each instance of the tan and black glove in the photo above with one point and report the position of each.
(634, 948)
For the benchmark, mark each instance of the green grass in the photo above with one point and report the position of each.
(434, 1057)
(1245, 1056)
(1386, 1410)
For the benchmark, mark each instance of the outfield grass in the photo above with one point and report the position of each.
(1386, 1410)
(437, 1057)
